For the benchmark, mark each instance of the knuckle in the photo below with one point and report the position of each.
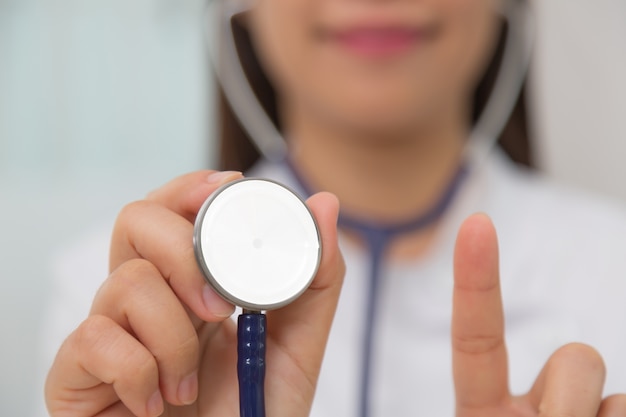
(134, 208)
(134, 366)
(477, 344)
(185, 350)
(126, 282)
(92, 332)
(124, 285)
(478, 284)
(154, 194)
(133, 273)
(129, 215)
(125, 217)
(188, 348)
(100, 337)
(140, 368)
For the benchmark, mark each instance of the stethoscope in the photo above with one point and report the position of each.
(259, 247)
(272, 146)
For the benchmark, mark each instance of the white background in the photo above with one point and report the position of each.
(102, 100)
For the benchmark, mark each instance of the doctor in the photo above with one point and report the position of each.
(375, 98)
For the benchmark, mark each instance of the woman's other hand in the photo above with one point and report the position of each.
(158, 340)
(570, 383)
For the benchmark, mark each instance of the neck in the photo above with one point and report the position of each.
(386, 179)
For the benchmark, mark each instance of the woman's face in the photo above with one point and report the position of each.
(374, 64)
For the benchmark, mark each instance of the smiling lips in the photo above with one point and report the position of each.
(379, 42)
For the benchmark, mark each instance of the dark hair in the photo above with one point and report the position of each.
(236, 151)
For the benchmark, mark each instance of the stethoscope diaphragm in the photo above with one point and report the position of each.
(257, 244)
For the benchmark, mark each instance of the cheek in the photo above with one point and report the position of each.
(470, 40)
(281, 38)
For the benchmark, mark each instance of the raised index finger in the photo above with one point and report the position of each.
(479, 357)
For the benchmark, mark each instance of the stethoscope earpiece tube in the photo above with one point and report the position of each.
(251, 330)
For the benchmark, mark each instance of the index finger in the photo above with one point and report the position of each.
(184, 195)
(479, 357)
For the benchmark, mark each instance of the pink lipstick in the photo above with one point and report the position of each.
(378, 42)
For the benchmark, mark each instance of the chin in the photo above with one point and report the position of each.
(380, 117)
(378, 123)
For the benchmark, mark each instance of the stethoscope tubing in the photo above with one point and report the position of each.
(251, 345)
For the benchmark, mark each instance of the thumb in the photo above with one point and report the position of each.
(301, 328)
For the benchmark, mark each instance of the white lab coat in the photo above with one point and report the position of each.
(563, 272)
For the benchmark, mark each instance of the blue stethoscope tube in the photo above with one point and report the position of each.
(251, 338)
(378, 237)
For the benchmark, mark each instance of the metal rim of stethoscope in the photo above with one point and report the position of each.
(271, 144)
(238, 195)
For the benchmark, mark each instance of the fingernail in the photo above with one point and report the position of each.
(222, 177)
(215, 304)
(188, 389)
(155, 404)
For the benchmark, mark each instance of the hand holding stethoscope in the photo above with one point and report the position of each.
(157, 336)
(156, 325)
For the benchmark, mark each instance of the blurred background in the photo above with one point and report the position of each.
(100, 102)
(104, 100)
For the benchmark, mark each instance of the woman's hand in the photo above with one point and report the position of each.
(572, 380)
(158, 340)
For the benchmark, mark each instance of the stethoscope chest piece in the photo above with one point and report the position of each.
(257, 244)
